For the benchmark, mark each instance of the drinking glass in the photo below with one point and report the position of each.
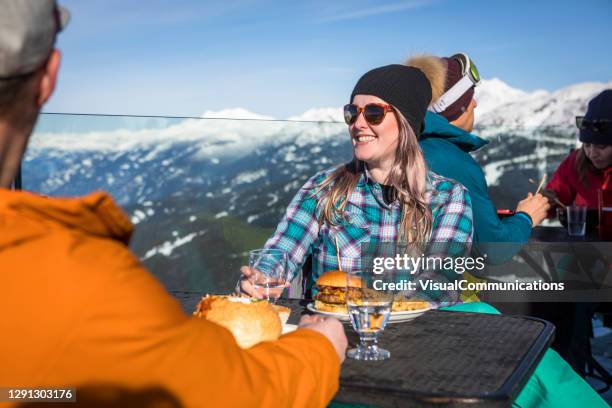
(269, 267)
(369, 306)
(576, 220)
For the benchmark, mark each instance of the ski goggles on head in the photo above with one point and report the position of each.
(374, 113)
(470, 78)
(597, 125)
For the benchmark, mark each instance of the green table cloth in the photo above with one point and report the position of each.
(553, 384)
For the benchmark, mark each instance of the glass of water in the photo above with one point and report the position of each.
(576, 220)
(269, 272)
(369, 305)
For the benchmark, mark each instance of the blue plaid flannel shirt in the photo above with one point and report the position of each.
(367, 219)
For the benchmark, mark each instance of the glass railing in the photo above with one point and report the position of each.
(202, 192)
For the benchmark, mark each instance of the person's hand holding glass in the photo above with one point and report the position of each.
(369, 303)
(266, 275)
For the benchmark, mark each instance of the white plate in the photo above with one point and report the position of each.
(395, 317)
(288, 328)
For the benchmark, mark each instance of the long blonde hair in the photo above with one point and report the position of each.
(408, 176)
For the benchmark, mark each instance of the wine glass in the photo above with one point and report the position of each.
(369, 304)
(269, 272)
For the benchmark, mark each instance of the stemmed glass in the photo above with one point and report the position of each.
(269, 272)
(369, 304)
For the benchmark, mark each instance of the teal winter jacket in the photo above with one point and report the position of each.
(447, 152)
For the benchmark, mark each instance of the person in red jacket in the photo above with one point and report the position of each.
(589, 167)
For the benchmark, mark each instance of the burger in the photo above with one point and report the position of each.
(251, 321)
(333, 286)
(331, 291)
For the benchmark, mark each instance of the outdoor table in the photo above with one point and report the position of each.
(442, 358)
(573, 319)
(557, 249)
(559, 234)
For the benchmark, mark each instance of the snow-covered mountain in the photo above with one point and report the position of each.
(503, 107)
(493, 93)
(203, 191)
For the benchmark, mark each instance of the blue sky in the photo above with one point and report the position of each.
(280, 58)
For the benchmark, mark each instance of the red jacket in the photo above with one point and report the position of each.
(568, 187)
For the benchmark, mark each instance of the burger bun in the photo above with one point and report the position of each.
(251, 322)
(338, 279)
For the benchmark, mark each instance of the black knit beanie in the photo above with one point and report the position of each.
(406, 88)
(600, 109)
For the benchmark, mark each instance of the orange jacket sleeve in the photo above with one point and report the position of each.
(105, 320)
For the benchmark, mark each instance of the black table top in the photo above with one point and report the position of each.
(559, 234)
(442, 357)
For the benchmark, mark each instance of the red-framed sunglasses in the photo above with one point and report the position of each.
(374, 113)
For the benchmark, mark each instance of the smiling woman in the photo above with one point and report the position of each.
(384, 194)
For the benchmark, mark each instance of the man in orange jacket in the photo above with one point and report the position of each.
(78, 309)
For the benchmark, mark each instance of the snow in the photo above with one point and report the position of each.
(502, 108)
(138, 216)
(493, 93)
(212, 138)
(250, 176)
(493, 171)
(168, 247)
(273, 199)
(234, 113)
(294, 185)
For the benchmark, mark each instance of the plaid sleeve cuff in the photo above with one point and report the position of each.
(454, 220)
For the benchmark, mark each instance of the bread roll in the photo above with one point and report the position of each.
(250, 322)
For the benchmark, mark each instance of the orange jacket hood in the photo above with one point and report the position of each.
(95, 214)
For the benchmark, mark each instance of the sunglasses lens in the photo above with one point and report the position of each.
(579, 120)
(350, 114)
(374, 114)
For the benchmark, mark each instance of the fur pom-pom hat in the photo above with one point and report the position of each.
(443, 73)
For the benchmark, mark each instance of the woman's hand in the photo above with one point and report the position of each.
(249, 279)
(536, 206)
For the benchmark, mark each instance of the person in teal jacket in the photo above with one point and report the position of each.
(447, 142)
